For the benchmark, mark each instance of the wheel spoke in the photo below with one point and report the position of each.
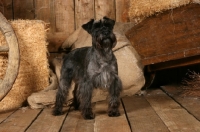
(4, 48)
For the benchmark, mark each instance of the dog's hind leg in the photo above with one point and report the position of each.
(63, 90)
(114, 98)
(75, 102)
(85, 95)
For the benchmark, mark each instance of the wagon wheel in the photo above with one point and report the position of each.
(13, 57)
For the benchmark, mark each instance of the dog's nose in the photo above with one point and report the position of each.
(106, 32)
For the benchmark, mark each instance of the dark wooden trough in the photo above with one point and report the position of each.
(169, 39)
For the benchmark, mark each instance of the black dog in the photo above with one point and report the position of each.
(91, 67)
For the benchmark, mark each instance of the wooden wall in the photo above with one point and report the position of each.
(64, 16)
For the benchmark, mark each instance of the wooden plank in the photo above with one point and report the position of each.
(173, 115)
(190, 103)
(46, 122)
(5, 115)
(105, 8)
(122, 9)
(62, 25)
(23, 9)
(19, 121)
(43, 10)
(64, 11)
(6, 8)
(104, 123)
(84, 11)
(168, 36)
(75, 123)
(142, 116)
(174, 63)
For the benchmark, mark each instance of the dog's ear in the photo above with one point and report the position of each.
(88, 26)
(109, 21)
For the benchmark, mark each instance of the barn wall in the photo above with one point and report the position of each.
(64, 16)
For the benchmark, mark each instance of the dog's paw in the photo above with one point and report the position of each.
(114, 113)
(88, 114)
(57, 112)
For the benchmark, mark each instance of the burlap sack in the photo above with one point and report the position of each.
(33, 71)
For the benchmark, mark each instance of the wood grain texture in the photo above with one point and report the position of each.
(6, 8)
(173, 115)
(43, 10)
(142, 116)
(105, 8)
(4, 116)
(190, 103)
(104, 123)
(62, 23)
(46, 122)
(171, 35)
(19, 121)
(64, 11)
(84, 11)
(174, 63)
(23, 9)
(122, 9)
(75, 123)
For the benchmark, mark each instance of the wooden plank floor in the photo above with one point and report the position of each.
(155, 112)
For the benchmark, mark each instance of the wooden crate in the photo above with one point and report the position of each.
(168, 39)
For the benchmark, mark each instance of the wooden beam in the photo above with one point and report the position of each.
(174, 63)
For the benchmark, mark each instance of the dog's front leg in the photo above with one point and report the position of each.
(85, 96)
(114, 99)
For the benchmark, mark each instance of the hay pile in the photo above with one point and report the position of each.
(33, 71)
(140, 9)
(191, 85)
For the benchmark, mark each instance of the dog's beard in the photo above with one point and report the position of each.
(106, 42)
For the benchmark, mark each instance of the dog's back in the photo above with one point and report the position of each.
(74, 62)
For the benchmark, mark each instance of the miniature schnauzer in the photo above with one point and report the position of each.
(91, 67)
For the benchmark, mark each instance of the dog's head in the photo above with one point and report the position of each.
(102, 33)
